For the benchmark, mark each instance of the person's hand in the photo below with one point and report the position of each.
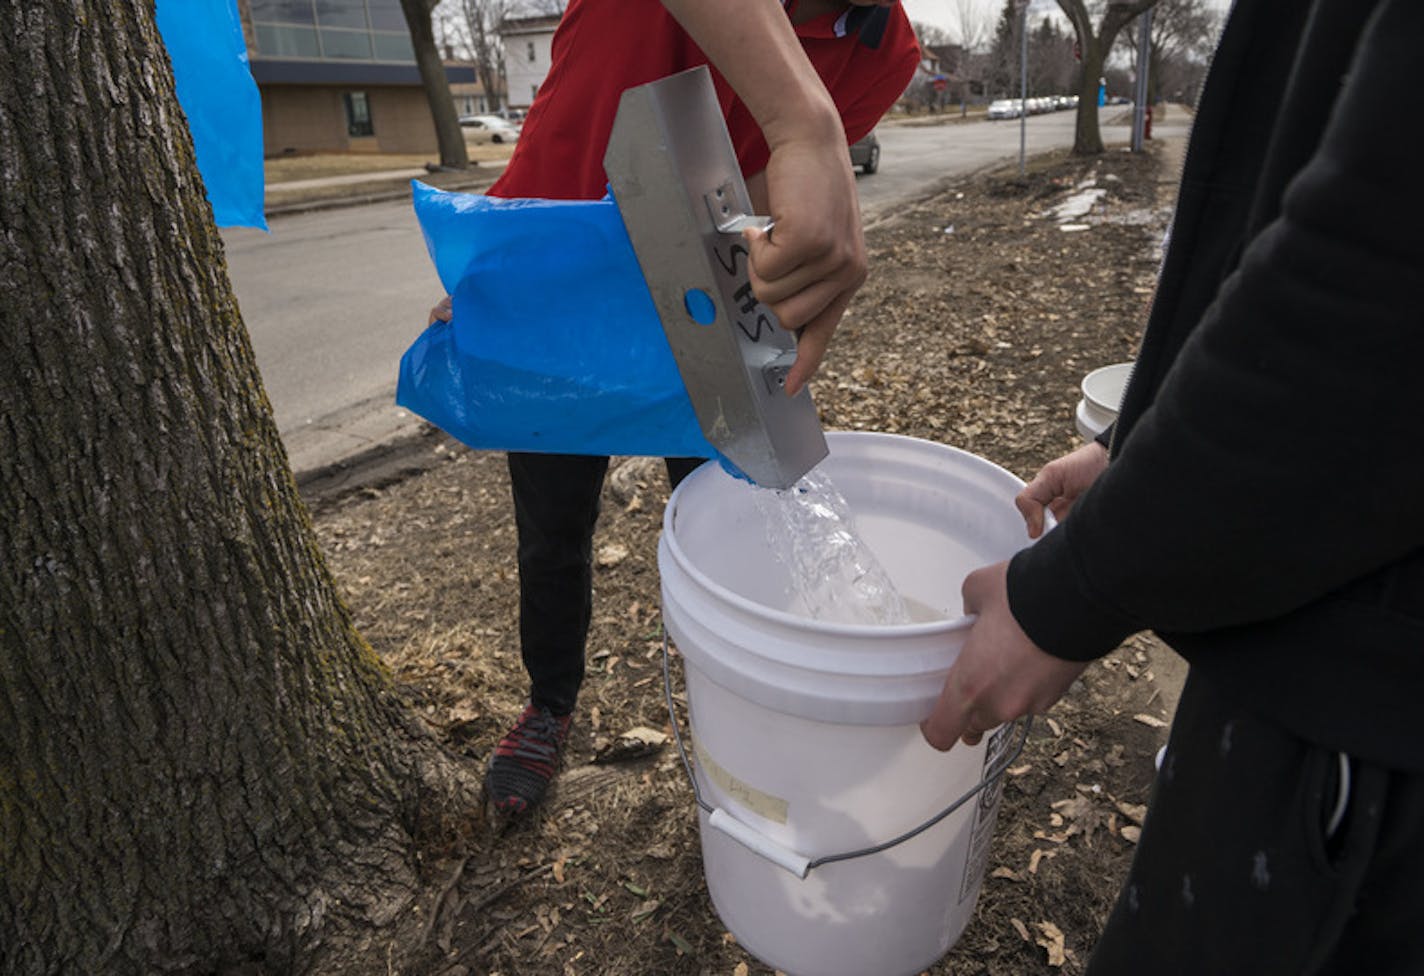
(1000, 673)
(1059, 484)
(814, 259)
(811, 263)
(442, 312)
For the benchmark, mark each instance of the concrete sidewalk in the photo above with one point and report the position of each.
(348, 179)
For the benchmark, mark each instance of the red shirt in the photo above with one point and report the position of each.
(603, 47)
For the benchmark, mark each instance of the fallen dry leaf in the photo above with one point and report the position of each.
(1039, 854)
(1136, 812)
(1052, 941)
(1086, 816)
(611, 555)
(634, 744)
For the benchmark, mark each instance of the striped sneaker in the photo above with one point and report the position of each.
(525, 760)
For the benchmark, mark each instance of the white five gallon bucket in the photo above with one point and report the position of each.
(805, 733)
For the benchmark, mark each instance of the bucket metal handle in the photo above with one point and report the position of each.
(779, 854)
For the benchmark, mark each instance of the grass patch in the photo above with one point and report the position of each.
(311, 166)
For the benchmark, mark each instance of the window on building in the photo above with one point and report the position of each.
(332, 29)
(531, 52)
(392, 46)
(341, 13)
(346, 44)
(284, 12)
(358, 114)
(282, 41)
(386, 15)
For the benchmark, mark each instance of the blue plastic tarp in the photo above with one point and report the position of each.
(555, 345)
(220, 99)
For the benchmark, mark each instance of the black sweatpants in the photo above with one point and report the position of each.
(1264, 855)
(556, 501)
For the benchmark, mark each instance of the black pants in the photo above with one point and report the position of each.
(1240, 873)
(556, 500)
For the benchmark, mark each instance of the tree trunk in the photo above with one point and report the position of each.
(203, 767)
(437, 87)
(1094, 46)
(1087, 134)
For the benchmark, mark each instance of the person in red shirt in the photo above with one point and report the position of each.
(796, 85)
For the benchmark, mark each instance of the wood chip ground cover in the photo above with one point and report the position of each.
(980, 317)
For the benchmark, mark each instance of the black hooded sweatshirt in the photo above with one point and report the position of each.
(1263, 511)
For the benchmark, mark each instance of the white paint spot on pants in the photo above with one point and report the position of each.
(1260, 875)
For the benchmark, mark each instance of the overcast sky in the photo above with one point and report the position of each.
(943, 13)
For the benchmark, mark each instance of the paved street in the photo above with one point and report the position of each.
(332, 298)
(915, 159)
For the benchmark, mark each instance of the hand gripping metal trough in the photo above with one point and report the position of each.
(680, 192)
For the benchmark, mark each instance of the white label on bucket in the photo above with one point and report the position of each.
(762, 804)
(986, 807)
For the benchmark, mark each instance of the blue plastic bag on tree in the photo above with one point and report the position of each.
(220, 99)
(555, 345)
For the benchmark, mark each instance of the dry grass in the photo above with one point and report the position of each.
(311, 166)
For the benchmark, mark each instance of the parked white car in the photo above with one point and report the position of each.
(488, 128)
(1004, 108)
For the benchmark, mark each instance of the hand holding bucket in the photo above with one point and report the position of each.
(1000, 674)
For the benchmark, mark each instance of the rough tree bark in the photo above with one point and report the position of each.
(1094, 45)
(453, 154)
(203, 768)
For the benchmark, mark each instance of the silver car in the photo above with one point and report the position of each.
(1004, 108)
(866, 154)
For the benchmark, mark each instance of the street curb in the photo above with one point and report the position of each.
(378, 466)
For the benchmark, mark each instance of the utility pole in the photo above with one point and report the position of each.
(1025, 7)
(1144, 61)
(1023, 83)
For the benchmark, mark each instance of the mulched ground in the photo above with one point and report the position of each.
(982, 314)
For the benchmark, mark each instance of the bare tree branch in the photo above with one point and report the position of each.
(971, 24)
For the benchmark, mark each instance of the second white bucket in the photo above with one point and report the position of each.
(1102, 395)
(806, 733)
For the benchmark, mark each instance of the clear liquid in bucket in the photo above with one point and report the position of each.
(834, 576)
